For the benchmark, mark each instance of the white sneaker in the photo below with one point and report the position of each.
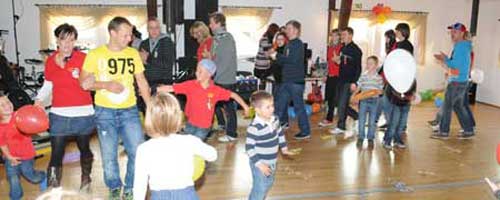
(226, 138)
(336, 131)
(325, 123)
(435, 128)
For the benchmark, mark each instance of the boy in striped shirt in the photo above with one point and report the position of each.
(264, 139)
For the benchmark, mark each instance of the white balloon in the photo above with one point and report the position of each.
(400, 69)
(477, 75)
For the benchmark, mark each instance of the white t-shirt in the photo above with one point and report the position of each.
(167, 163)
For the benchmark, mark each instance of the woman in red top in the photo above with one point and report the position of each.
(201, 33)
(333, 75)
(72, 112)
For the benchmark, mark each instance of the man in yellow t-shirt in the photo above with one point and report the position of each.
(110, 70)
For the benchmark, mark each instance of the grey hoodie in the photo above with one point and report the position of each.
(224, 52)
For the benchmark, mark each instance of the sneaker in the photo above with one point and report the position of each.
(383, 127)
(337, 131)
(359, 142)
(43, 185)
(285, 126)
(128, 195)
(114, 194)
(301, 136)
(400, 145)
(466, 136)
(325, 123)
(435, 128)
(371, 143)
(226, 138)
(387, 145)
(433, 122)
(440, 136)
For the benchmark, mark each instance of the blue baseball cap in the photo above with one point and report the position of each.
(458, 26)
(209, 65)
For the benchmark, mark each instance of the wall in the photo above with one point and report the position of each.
(487, 48)
(313, 15)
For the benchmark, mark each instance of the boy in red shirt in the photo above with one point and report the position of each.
(18, 152)
(202, 95)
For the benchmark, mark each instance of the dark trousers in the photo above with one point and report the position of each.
(226, 112)
(344, 109)
(58, 145)
(293, 92)
(331, 96)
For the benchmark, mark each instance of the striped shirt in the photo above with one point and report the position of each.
(370, 81)
(264, 138)
(262, 61)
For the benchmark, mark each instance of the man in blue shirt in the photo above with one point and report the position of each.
(458, 66)
(293, 78)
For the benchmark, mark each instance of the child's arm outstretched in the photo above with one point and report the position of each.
(165, 88)
(242, 103)
(13, 160)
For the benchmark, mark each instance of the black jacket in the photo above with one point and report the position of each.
(292, 61)
(350, 63)
(160, 63)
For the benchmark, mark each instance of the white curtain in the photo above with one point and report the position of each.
(91, 22)
(247, 24)
(369, 34)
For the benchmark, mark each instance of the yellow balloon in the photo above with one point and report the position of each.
(199, 167)
(381, 18)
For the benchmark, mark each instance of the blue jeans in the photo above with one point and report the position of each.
(260, 182)
(382, 108)
(113, 124)
(396, 123)
(71, 126)
(227, 109)
(454, 100)
(284, 116)
(187, 193)
(25, 168)
(368, 110)
(196, 131)
(294, 92)
(467, 106)
(344, 92)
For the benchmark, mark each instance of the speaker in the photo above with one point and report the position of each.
(204, 8)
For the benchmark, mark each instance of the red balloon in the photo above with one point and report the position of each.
(31, 120)
(498, 153)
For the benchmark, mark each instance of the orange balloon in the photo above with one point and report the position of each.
(316, 107)
(31, 120)
(381, 18)
(387, 10)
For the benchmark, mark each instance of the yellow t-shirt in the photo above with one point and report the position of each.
(120, 66)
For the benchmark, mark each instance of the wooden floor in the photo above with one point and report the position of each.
(334, 168)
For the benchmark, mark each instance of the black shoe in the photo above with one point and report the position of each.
(440, 136)
(359, 142)
(371, 143)
(466, 136)
(285, 126)
(383, 127)
(54, 176)
(433, 122)
(86, 165)
(301, 136)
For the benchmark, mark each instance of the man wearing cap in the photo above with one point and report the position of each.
(202, 95)
(458, 66)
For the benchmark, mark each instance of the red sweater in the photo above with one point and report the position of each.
(333, 68)
(19, 145)
(207, 44)
(66, 90)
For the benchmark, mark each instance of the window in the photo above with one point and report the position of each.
(91, 22)
(369, 35)
(247, 26)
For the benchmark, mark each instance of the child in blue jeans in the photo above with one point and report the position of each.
(369, 80)
(264, 139)
(18, 152)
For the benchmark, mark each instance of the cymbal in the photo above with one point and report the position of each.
(33, 61)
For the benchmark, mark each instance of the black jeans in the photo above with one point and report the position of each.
(227, 109)
(58, 144)
(331, 96)
(344, 109)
